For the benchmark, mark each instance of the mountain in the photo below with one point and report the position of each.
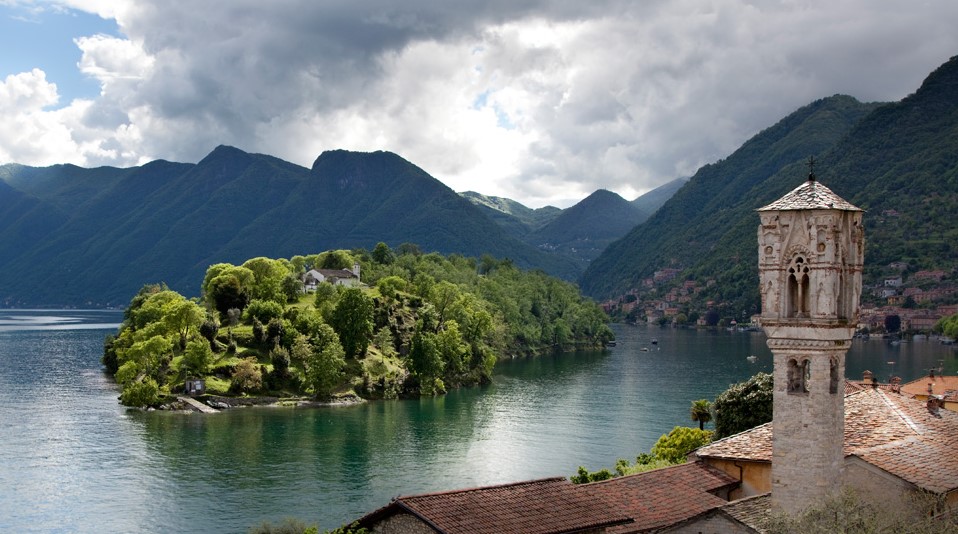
(515, 218)
(91, 237)
(654, 199)
(898, 161)
(584, 230)
(712, 216)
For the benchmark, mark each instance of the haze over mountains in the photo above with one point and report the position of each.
(92, 237)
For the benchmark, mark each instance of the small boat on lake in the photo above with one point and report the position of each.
(751, 358)
(655, 341)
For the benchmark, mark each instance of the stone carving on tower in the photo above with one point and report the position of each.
(810, 253)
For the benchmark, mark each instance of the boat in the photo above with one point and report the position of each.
(751, 358)
(655, 341)
(644, 349)
(610, 344)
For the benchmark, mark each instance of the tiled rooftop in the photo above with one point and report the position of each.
(753, 511)
(661, 497)
(551, 505)
(893, 432)
(811, 195)
(754, 445)
(946, 386)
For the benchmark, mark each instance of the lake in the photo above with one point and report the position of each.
(74, 460)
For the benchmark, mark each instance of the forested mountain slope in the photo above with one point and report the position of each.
(712, 216)
(897, 161)
(92, 237)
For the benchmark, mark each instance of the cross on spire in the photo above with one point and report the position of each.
(811, 168)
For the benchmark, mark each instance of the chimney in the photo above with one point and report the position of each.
(895, 382)
(867, 376)
(931, 374)
(931, 388)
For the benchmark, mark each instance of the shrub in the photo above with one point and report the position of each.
(140, 394)
(247, 377)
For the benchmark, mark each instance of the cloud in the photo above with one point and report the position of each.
(539, 101)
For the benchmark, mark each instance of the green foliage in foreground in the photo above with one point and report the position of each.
(440, 324)
(853, 512)
(743, 406)
(670, 449)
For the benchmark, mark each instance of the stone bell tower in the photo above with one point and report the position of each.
(810, 250)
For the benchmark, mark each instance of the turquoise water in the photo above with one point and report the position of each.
(73, 460)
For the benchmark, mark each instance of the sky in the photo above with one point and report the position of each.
(543, 102)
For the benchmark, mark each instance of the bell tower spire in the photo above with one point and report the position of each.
(810, 251)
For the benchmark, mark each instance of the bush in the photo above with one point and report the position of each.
(743, 406)
(677, 444)
(141, 394)
(247, 377)
(264, 310)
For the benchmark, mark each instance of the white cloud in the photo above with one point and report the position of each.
(539, 101)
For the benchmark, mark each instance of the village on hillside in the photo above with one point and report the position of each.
(915, 301)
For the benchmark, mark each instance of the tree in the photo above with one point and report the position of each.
(326, 362)
(183, 316)
(141, 393)
(247, 377)
(382, 254)
(197, 358)
(352, 318)
(743, 406)
(701, 411)
(426, 362)
(292, 287)
(268, 275)
(677, 444)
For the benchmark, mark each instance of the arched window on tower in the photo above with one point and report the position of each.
(798, 375)
(833, 376)
(797, 289)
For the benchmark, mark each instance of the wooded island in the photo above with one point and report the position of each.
(412, 324)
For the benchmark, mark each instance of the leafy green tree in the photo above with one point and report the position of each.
(326, 363)
(353, 321)
(382, 254)
(231, 287)
(292, 287)
(453, 351)
(583, 476)
(197, 358)
(148, 354)
(140, 393)
(743, 406)
(247, 377)
(183, 317)
(426, 362)
(268, 276)
(677, 444)
(701, 412)
(325, 298)
(335, 259)
(391, 286)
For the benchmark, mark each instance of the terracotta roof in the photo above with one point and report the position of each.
(946, 386)
(551, 505)
(926, 456)
(661, 497)
(753, 445)
(811, 195)
(893, 432)
(754, 511)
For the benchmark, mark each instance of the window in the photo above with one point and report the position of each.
(797, 288)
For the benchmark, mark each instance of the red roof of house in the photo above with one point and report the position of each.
(551, 505)
(891, 431)
(661, 497)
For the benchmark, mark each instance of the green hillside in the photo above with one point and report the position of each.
(654, 199)
(898, 161)
(711, 219)
(584, 230)
(515, 218)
